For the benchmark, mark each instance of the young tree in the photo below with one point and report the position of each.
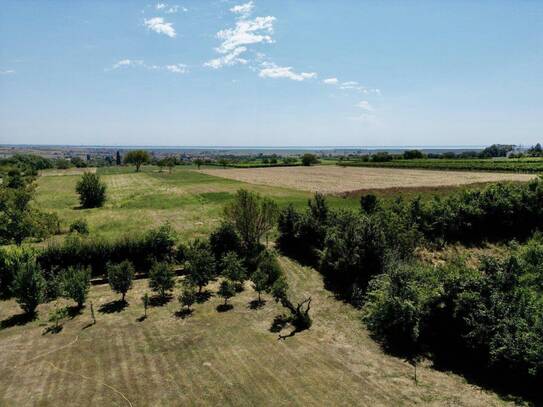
(199, 162)
(252, 216)
(226, 290)
(200, 263)
(118, 158)
(137, 157)
(161, 279)
(145, 301)
(260, 283)
(75, 284)
(28, 286)
(187, 296)
(120, 277)
(234, 269)
(91, 190)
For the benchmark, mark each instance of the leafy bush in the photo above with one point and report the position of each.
(91, 190)
(79, 226)
(11, 258)
(28, 286)
(155, 245)
(75, 284)
(120, 277)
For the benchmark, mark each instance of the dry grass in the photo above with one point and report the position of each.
(211, 358)
(335, 179)
(69, 171)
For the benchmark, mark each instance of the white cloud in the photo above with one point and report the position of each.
(7, 72)
(160, 6)
(330, 81)
(167, 9)
(244, 10)
(235, 40)
(273, 71)
(174, 68)
(158, 25)
(246, 32)
(365, 105)
(229, 59)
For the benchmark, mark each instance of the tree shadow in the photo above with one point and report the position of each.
(279, 322)
(73, 311)
(292, 333)
(142, 318)
(224, 307)
(87, 326)
(113, 306)
(53, 329)
(256, 304)
(159, 301)
(203, 296)
(184, 313)
(19, 319)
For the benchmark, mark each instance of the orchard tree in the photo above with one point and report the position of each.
(223, 240)
(91, 190)
(28, 286)
(145, 302)
(260, 283)
(120, 277)
(252, 216)
(137, 157)
(234, 270)
(75, 284)
(200, 263)
(161, 279)
(187, 296)
(226, 291)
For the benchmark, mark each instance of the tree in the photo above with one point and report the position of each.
(187, 296)
(226, 290)
(252, 216)
(199, 162)
(91, 190)
(145, 301)
(260, 282)
(120, 277)
(234, 269)
(412, 154)
(137, 157)
(200, 263)
(222, 240)
(28, 286)
(79, 226)
(118, 158)
(309, 159)
(161, 279)
(75, 284)
(369, 203)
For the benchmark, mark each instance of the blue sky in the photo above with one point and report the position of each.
(271, 73)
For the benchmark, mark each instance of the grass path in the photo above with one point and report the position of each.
(211, 357)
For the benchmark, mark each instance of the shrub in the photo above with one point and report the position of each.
(75, 283)
(161, 278)
(11, 258)
(226, 290)
(92, 191)
(120, 277)
(309, 159)
(28, 286)
(79, 226)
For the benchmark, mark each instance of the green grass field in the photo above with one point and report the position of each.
(192, 202)
(211, 357)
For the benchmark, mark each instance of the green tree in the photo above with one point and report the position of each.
(29, 286)
(137, 157)
(120, 277)
(226, 290)
(252, 216)
(260, 283)
(145, 301)
(199, 162)
(91, 190)
(222, 240)
(75, 284)
(309, 159)
(234, 269)
(161, 279)
(200, 263)
(187, 296)
(79, 226)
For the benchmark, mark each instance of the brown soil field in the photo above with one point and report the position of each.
(332, 179)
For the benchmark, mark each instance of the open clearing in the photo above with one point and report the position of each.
(335, 179)
(212, 358)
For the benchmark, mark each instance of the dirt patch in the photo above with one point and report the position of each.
(330, 179)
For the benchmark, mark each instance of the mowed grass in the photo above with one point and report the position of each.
(211, 357)
(191, 201)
